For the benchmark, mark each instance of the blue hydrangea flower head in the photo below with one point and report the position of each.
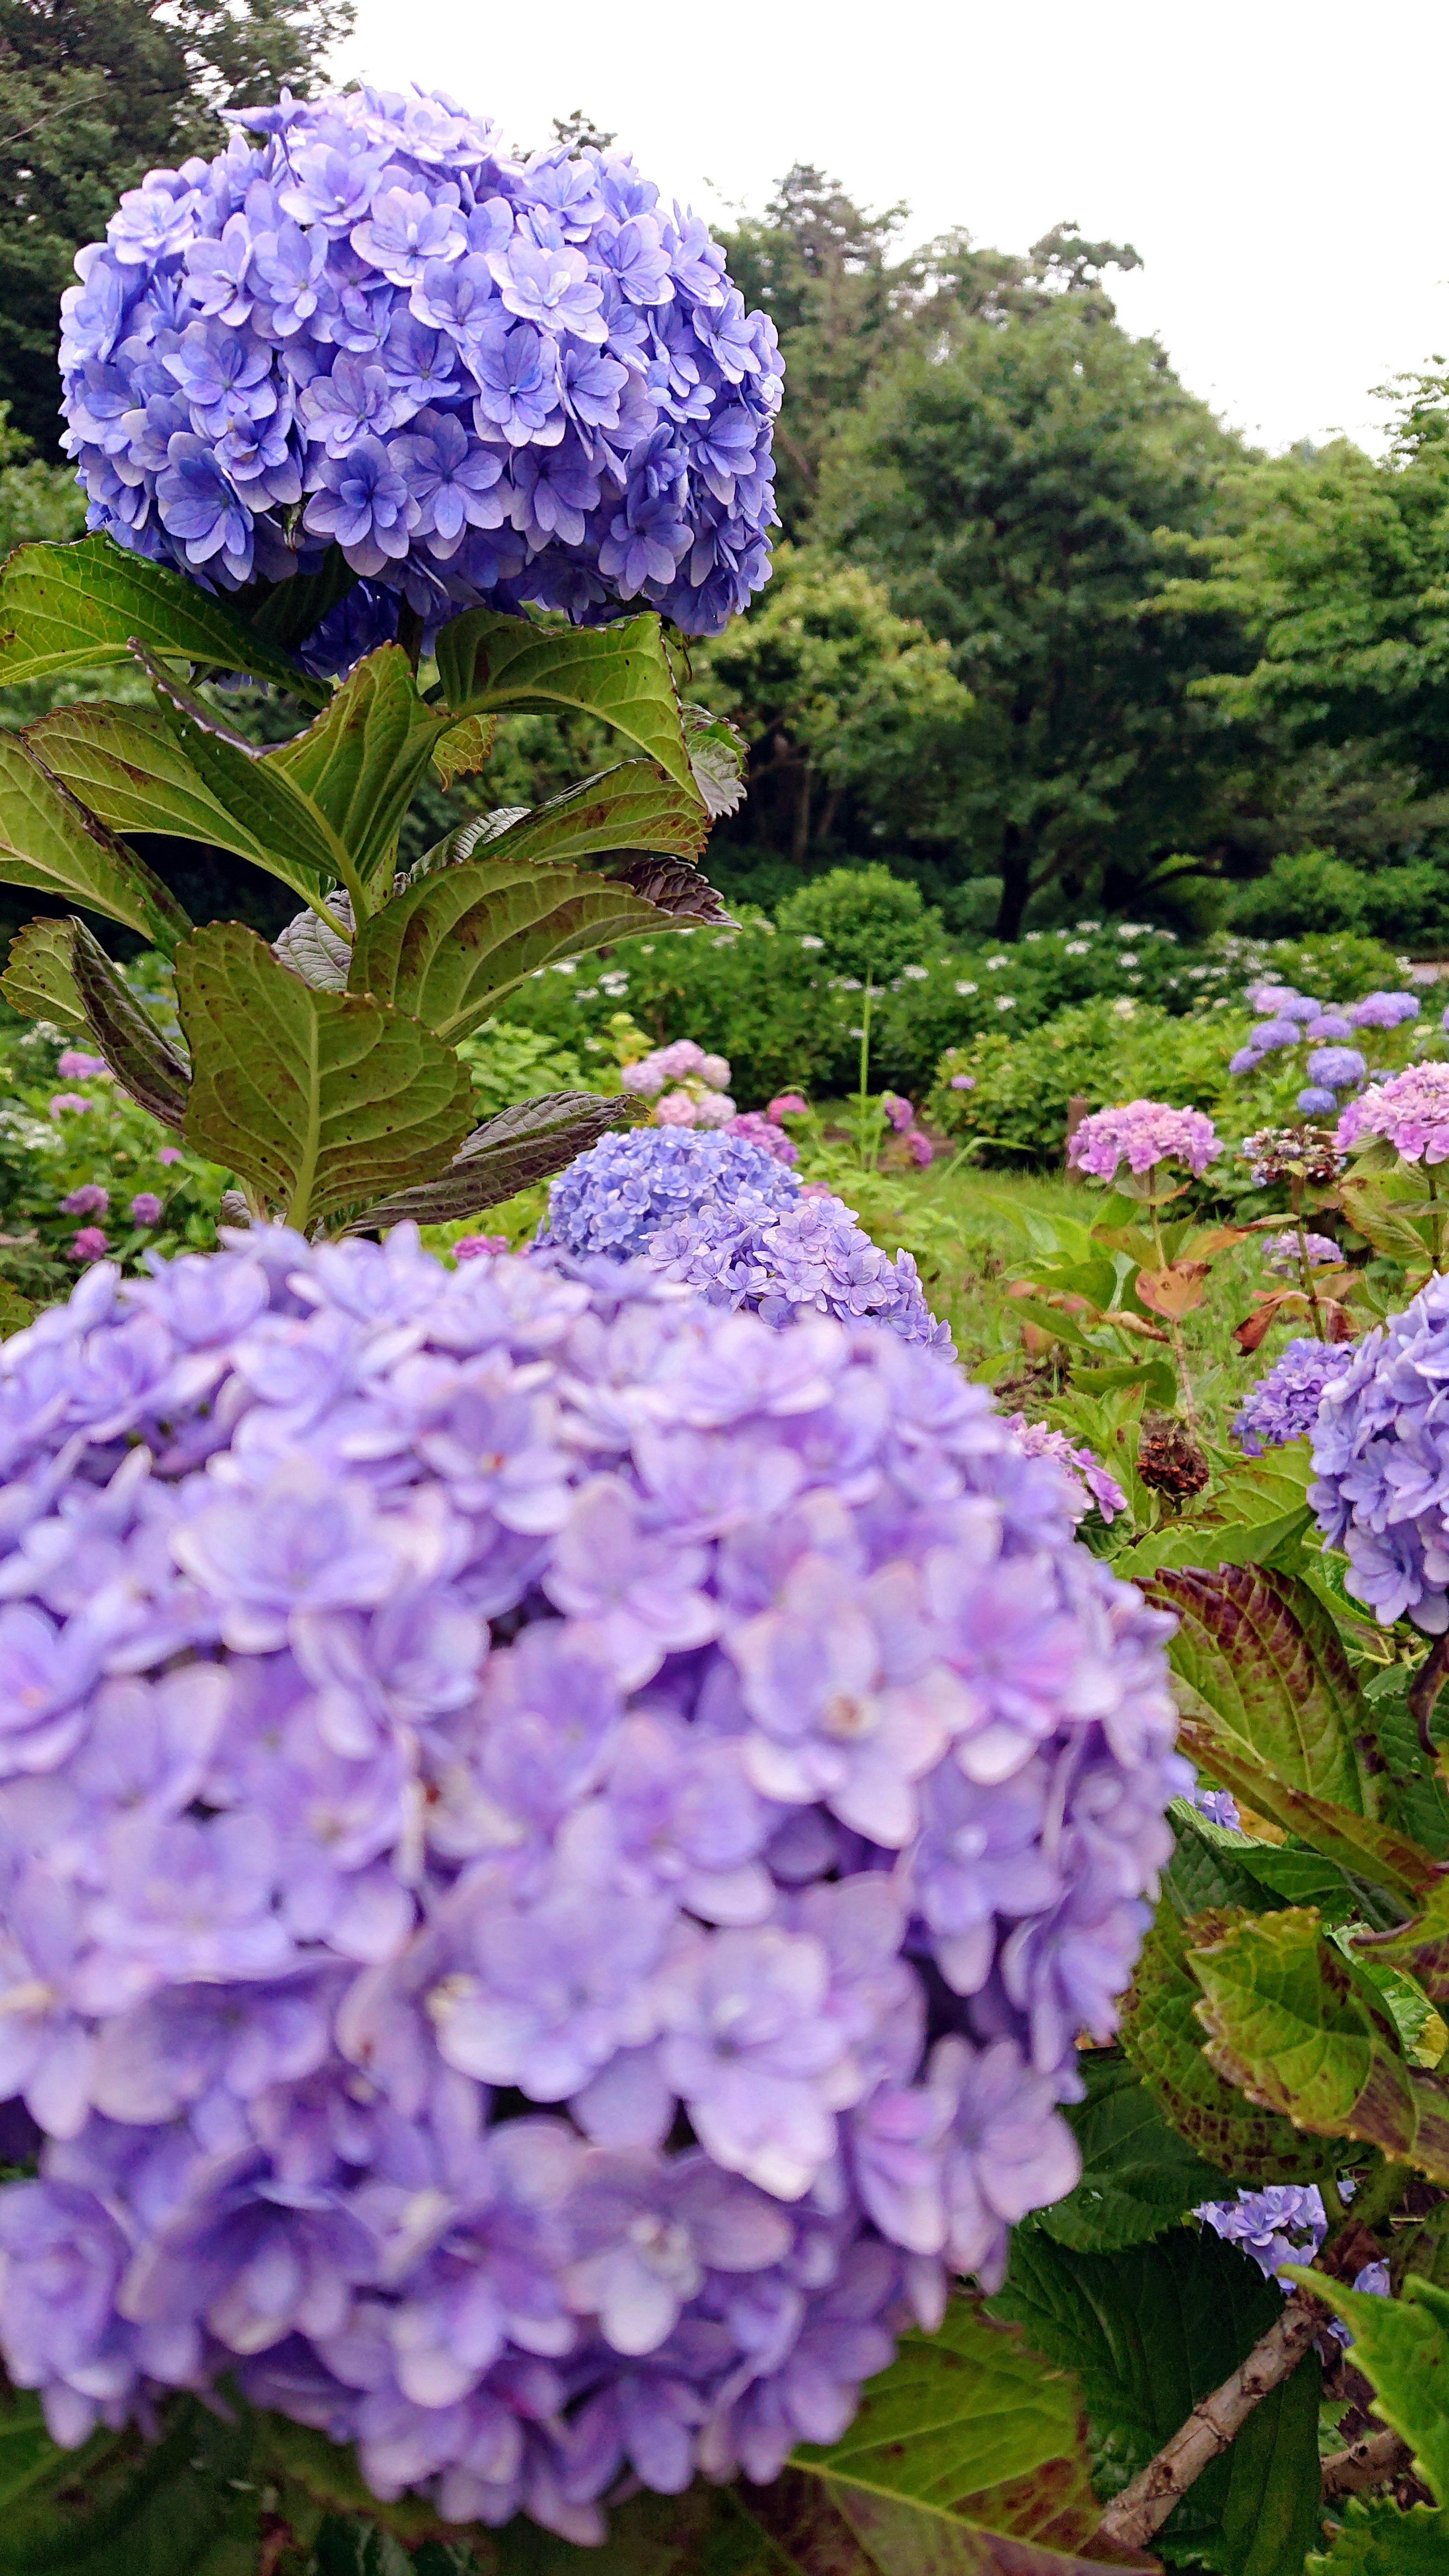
(1378, 1455)
(1284, 1404)
(615, 1198)
(433, 1693)
(811, 1258)
(363, 323)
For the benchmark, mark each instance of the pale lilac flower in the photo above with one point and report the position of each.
(1090, 1479)
(1281, 1252)
(1143, 1135)
(69, 1103)
(1383, 1010)
(89, 1200)
(81, 1067)
(89, 1244)
(145, 1208)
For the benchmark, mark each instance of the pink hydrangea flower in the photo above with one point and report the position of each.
(786, 1104)
(1410, 1110)
(80, 1066)
(145, 1208)
(89, 1245)
(713, 1109)
(756, 1129)
(644, 1076)
(1144, 1133)
(921, 1149)
(715, 1070)
(61, 1102)
(476, 1247)
(684, 1056)
(963, 1082)
(169, 1154)
(89, 1200)
(898, 1111)
(676, 1109)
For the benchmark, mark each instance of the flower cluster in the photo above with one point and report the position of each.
(1283, 1405)
(1378, 1454)
(1143, 1134)
(1334, 1066)
(1284, 1254)
(615, 1198)
(1091, 1481)
(699, 1085)
(1287, 2223)
(556, 1845)
(809, 1259)
(1292, 1153)
(756, 1127)
(481, 379)
(1410, 1111)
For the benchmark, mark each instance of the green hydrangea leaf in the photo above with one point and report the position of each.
(38, 982)
(490, 664)
(1149, 2331)
(1213, 1865)
(1163, 2038)
(1402, 2347)
(636, 806)
(1421, 1947)
(525, 1143)
(120, 2506)
(360, 763)
(719, 755)
(315, 1099)
(140, 1057)
(1378, 2539)
(77, 606)
(451, 944)
(1139, 2174)
(50, 840)
(1305, 2033)
(127, 768)
(464, 748)
(284, 830)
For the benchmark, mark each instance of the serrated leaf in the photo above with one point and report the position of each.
(1150, 2331)
(127, 768)
(636, 806)
(1412, 1793)
(321, 956)
(38, 982)
(315, 1099)
(1421, 1948)
(675, 887)
(49, 840)
(1139, 2175)
(285, 832)
(490, 664)
(465, 747)
(1163, 2038)
(448, 946)
(1402, 2347)
(1225, 1542)
(1303, 2032)
(72, 607)
(1269, 1706)
(360, 763)
(119, 2507)
(139, 1056)
(526, 1143)
(1378, 2539)
(719, 757)
(1214, 1866)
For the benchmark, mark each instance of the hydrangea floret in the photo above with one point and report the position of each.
(812, 1258)
(558, 1842)
(1284, 1403)
(484, 379)
(1143, 1134)
(1091, 1481)
(1378, 1459)
(1410, 1110)
(616, 1197)
(1285, 1254)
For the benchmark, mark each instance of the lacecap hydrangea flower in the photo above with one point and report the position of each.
(556, 1845)
(1283, 1405)
(1410, 1110)
(1143, 1134)
(363, 323)
(1378, 1456)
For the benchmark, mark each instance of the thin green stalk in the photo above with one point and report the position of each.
(1174, 1329)
(1305, 1266)
(1437, 1220)
(865, 1155)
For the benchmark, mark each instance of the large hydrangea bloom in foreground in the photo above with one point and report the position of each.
(485, 380)
(556, 1844)
(721, 1213)
(1379, 1455)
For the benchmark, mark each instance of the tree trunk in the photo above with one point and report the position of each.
(802, 817)
(1015, 883)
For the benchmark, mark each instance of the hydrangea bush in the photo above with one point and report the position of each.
(364, 325)
(558, 1843)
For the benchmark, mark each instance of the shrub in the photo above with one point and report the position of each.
(863, 921)
(1102, 1052)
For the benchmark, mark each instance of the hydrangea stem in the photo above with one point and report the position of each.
(1175, 1333)
(1305, 1266)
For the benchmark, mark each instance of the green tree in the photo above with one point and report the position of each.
(1011, 493)
(95, 93)
(849, 710)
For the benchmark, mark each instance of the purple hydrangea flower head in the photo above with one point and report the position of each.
(1383, 1010)
(759, 1129)
(1330, 1025)
(1336, 1067)
(1284, 1404)
(555, 1844)
(809, 1258)
(1377, 1460)
(1284, 2224)
(1143, 1134)
(1219, 1806)
(616, 1197)
(1090, 1479)
(533, 345)
(1281, 1251)
(1316, 1100)
(1410, 1110)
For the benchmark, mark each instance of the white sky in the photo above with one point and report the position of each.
(1280, 164)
